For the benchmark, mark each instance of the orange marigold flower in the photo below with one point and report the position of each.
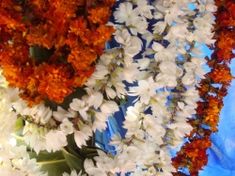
(225, 45)
(78, 27)
(81, 58)
(221, 74)
(99, 14)
(54, 82)
(193, 155)
(212, 112)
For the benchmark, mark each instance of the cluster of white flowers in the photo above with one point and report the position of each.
(158, 57)
(162, 62)
(15, 161)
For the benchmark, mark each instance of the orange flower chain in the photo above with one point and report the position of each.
(48, 48)
(212, 89)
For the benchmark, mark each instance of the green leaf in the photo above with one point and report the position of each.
(54, 167)
(73, 161)
(84, 152)
(40, 54)
(45, 156)
(19, 124)
(19, 139)
(89, 152)
(54, 164)
(69, 158)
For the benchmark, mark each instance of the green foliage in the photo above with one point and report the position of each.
(58, 162)
(19, 124)
(69, 158)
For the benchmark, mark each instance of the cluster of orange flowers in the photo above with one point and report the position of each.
(67, 36)
(212, 90)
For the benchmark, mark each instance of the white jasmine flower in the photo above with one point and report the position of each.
(125, 13)
(210, 6)
(199, 71)
(173, 14)
(110, 92)
(133, 112)
(109, 107)
(119, 87)
(180, 130)
(169, 73)
(95, 99)
(153, 128)
(188, 79)
(187, 111)
(163, 54)
(62, 114)
(191, 96)
(159, 27)
(130, 73)
(177, 32)
(99, 125)
(133, 47)
(15, 161)
(157, 15)
(143, 63)
(80, 106)
(92, 170)
(40, 113)
(7, 122)
(34, 136)
(145, 90)
(148, 37)
(144, 9)
(168, 67)
(100, 121)
(204, 26)
(100, 72)
(67, 127)
(138, 25)
(122, 36)
(82, 135)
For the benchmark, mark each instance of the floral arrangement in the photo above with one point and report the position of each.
(67, 67)
(212, 90)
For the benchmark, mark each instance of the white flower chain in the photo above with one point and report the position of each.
(166, 87)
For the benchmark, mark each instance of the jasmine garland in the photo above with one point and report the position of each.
(158, 57)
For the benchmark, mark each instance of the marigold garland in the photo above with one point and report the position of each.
(212, 91)
(71, 33)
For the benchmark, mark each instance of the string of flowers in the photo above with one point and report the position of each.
(212, 91)
(156, 60)
(166, 97)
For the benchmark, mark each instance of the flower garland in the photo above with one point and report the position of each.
(156, 54)
(212, 90)
(48, 48)
(166, 86)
